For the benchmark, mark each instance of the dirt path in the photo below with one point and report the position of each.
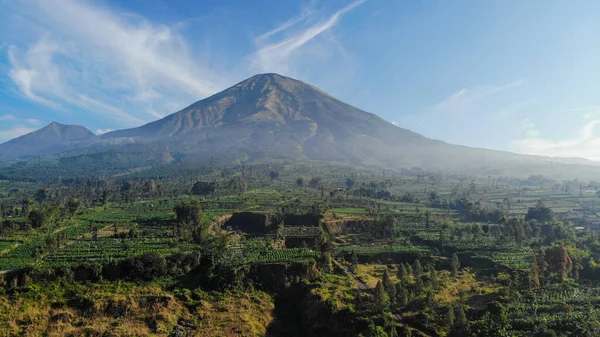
(359, 284)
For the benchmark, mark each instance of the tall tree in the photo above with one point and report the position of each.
(26, 207)
(38, 218)
(409, 269)
(387, 282)
(417, 268)
(401, 295)
(450, 317)
(73, 206)
(188, 211)
(461, 325)
(534, 275)
(454, 265)
(559, 261)
(382, 300)
(402, 274)
(349, 183)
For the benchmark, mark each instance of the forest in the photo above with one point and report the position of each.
(289, 249)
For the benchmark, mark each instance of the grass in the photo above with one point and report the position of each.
(465, 287)
(234, 314)
(372, 273)
(49, 312)
(338, 290)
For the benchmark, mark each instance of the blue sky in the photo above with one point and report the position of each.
(522, 76)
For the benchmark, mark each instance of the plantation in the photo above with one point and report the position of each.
(391, 251)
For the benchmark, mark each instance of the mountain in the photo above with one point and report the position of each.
(49, 140)
(270, 116)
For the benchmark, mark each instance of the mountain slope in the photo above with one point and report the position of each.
(269, 116)
(51, 139)
(275, 116)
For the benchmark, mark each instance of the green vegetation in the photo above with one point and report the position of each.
(292, 250)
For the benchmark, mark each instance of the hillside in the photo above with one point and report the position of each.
(269, 116)
(49, 140)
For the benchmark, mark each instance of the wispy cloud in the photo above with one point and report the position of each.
(467, 98)
(96, 59)
(12, 118)
(288, 24)
(8, 134)
(89, 58)
(273, 56)
(12, 126)
(529, 128)
(584, 144)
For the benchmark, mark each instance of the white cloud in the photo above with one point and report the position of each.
(467, 98)
(92, 58)
(274, 56)
(529, 128)
(13, 119)
(8, 134)
(585, 144)
(394, 122)
(288, 24)
(103, 131)
(12, 126)
(7, 118)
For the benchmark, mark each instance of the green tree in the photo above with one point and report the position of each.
(349, 183)
(534, 275)
(42, 195)
(26, 207)
(300, 182)
(540, 213)
(37, 217)
(406, 331)
(417, 268)
(203, 188)
(450, 317)
(454, 265)
(376, 331)
(387, 282)
(433, 279)
(559, 261)
(188, 212)
(461, 325)
(73, 206)
(402, 274)
(315, 182)
(382, 300)
(401, 295)
(477, 231)
(409, 270)
(545, 332)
